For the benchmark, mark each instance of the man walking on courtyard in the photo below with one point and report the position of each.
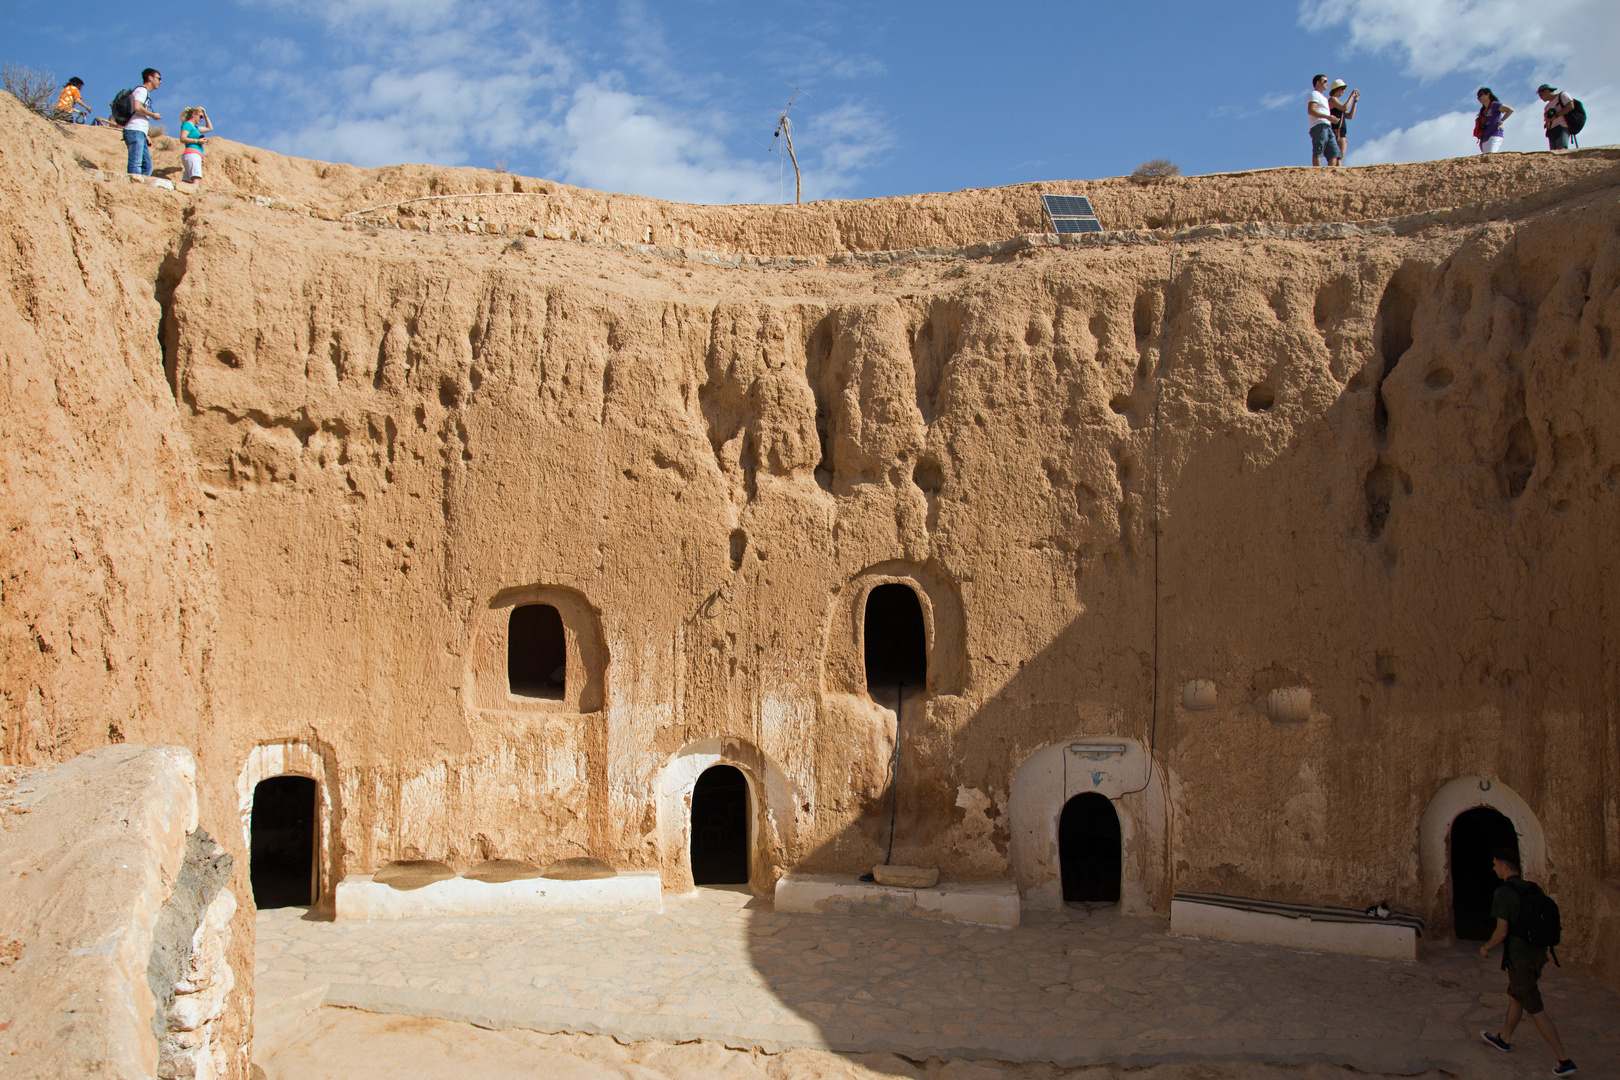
(137, 127)
(1522, 960)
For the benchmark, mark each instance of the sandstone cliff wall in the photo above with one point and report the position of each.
(1362, 486)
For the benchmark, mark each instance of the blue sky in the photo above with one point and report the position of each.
(679, 99)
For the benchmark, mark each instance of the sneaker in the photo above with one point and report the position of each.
(1565, 1068)
(1495, 1040)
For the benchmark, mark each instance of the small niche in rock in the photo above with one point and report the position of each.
(1120, 403)
(1380, 487)
(412, 874)
(228, 358)
(928, 476)
(583, 868)
(1142, 316)
(1261, 398)
(1396, 309)
(739, 548)
(1387, 669)
(495, 871)
(1439, 378)
(536, 653)
(1519, 462)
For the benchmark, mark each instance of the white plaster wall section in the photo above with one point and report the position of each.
(424, 808)
(1053, 775)
(1434, 836)
(772, 824)
(293, 758)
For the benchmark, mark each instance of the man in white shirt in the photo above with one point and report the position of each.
(1323, 144)
(136, 128)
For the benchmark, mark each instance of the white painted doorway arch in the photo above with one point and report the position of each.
(1434, 836)
(291, 757)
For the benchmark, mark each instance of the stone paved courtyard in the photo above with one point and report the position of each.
(1077, 987)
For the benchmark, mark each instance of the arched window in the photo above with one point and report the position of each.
(536, 653)
(896, 640)
(1476, 835)
(281, 848)
(1089, 849)
(720, 827)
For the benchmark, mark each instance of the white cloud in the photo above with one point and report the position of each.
(1570, 43)
(452, 82)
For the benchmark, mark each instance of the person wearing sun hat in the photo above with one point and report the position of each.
(1553, 116)
(1341, 109)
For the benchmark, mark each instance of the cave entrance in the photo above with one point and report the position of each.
(281, 847)
(1475, 836)
(1089, 849)
(720, 827)
(536, 653)
(896, 640)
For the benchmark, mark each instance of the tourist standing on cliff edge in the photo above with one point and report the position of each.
(137, 127)
(1316, 106)
(1488, 124)
(1343, 110)
(1555, 117)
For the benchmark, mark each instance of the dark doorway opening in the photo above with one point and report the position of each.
(281, 850)
(896, 639)
(1088, 849)
(720, 827)
(1475, 836)
(536, 652)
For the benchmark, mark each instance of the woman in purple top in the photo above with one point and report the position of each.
(1488, 124)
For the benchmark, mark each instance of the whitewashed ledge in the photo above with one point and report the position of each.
(1293, 926)
(359, 897)
(986, 903)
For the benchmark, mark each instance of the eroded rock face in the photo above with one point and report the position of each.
(1354, 483)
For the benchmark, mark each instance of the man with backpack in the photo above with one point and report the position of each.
(1563, 117)
(1527, 921)
(132, 108)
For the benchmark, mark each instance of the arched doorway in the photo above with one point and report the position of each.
(281, 845)
(1089, 849)
(720, 816)
(1475, 836)
(896, 640)
(536, 653)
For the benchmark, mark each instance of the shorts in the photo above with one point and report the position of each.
(1490, 145)
(1322, 144)
(1523, 975)
(1558, 138)
(192, 166)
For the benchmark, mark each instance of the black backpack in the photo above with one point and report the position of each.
(1575, 119)
(122, 109)
(1539, 922)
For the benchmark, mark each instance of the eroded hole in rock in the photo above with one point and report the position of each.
(818, 362)
(1519, 460)
(1120, 403)
(895, 639)
(1387, 668)
(1439, 378)
(1089, 849)
(1142, 316)
(928, 476)
(1475, 836)
(720, 827)
(536, 653)
(1380, 491)
(739, 548)
(281, 847)
(1394, 335)
(1261, 398)
(228, 358)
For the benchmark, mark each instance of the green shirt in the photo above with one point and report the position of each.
(1505, 905)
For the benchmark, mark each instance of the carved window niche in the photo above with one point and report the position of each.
(539, 648)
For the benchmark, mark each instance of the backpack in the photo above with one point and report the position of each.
(1575, 119)
(122, 109)
(1539, 922)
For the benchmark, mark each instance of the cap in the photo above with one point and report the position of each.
(1549, 89)
(1338, 83)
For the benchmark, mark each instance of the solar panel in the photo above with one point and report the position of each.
(1068, 206)
(1076, 224)
(1071, 213)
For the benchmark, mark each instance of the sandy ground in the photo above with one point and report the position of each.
(347, 1043)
